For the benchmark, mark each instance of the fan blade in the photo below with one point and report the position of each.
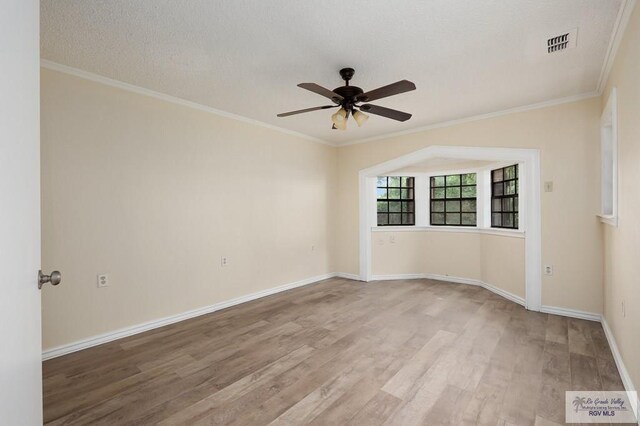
(385, 112)
(300, 111)
(315, 88)
(389, 90)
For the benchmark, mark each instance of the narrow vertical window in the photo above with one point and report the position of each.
(395, 201)
(453, 200)
(504, 197)
(609, 161)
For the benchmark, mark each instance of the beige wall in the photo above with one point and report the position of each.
(622, 264)
(154, 193)
(567, 136)
(503, 263)
(494, 259)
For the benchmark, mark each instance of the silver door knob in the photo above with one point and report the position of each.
(54, 278)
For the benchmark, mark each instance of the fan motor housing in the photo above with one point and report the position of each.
(349, 92)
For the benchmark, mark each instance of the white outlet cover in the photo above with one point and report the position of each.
(103, 280)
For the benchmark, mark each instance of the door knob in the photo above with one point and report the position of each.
(54, 278)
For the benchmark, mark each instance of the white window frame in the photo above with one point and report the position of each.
(422, 209)
(609, 161)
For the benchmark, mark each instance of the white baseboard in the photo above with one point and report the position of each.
(458, 280)
(348, 276)
(571, 313)
(624, 374)
(150, 325)
(397, 277)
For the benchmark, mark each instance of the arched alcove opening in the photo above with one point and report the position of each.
(483, 242)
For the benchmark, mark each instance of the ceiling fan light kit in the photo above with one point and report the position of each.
(348, 98)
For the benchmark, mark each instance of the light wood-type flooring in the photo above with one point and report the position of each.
(340, 352)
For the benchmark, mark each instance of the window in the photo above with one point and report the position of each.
(609, 161)
(453, 200)
(395, 200)
(504, 197)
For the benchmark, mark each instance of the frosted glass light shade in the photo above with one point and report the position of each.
(360, 118)
(339, 116)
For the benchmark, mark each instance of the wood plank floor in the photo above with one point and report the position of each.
(340, 352)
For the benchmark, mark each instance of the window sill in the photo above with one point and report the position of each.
(609, 219)
(459, 229)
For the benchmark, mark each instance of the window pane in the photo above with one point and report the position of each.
(497, 189)
(496, 219)
(453, 192)
(407, 194)
(515, 204)
(394, 181)
(453, 206)
(437, 206)
(381, 192)
(437, 181)
(437, 218)
(383, 206)
(407, 206)
(383, 219)
(507, 220)
(407, 182)
(469, 206)
(453, 180)
(395, 206)
(394, 194)
(497, 175)
(507, 204)
(468, 218)
(437, 193)
(395, 219)
(453, 218)
(516, 222)
(510, 172)
(468, 191)
(407, 218)
(496, 205)
(510, 187)
(469, 179)
(382, 181)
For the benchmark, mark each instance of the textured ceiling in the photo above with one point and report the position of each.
(466, 57)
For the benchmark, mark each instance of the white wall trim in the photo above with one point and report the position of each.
(449, 123)
(44, 63)
(452, 229)
(457, 280)
(530, 216)
(345, 275)
(624, 13)
(150, 325)
(571, 313)
(622, 369)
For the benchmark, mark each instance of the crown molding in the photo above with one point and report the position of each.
(624, 14)
(539, 105)
(45, 63)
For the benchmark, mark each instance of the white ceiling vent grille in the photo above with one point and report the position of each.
(562, 41)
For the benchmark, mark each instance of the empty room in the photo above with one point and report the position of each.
(330, 213)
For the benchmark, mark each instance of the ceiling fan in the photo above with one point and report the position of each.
(348, 97)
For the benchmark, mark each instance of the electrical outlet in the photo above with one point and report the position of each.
(548, 186)
(224, 261)
(548, 269)
(624, 311)
(103, 280)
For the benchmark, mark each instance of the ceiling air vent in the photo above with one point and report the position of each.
(563, 41)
